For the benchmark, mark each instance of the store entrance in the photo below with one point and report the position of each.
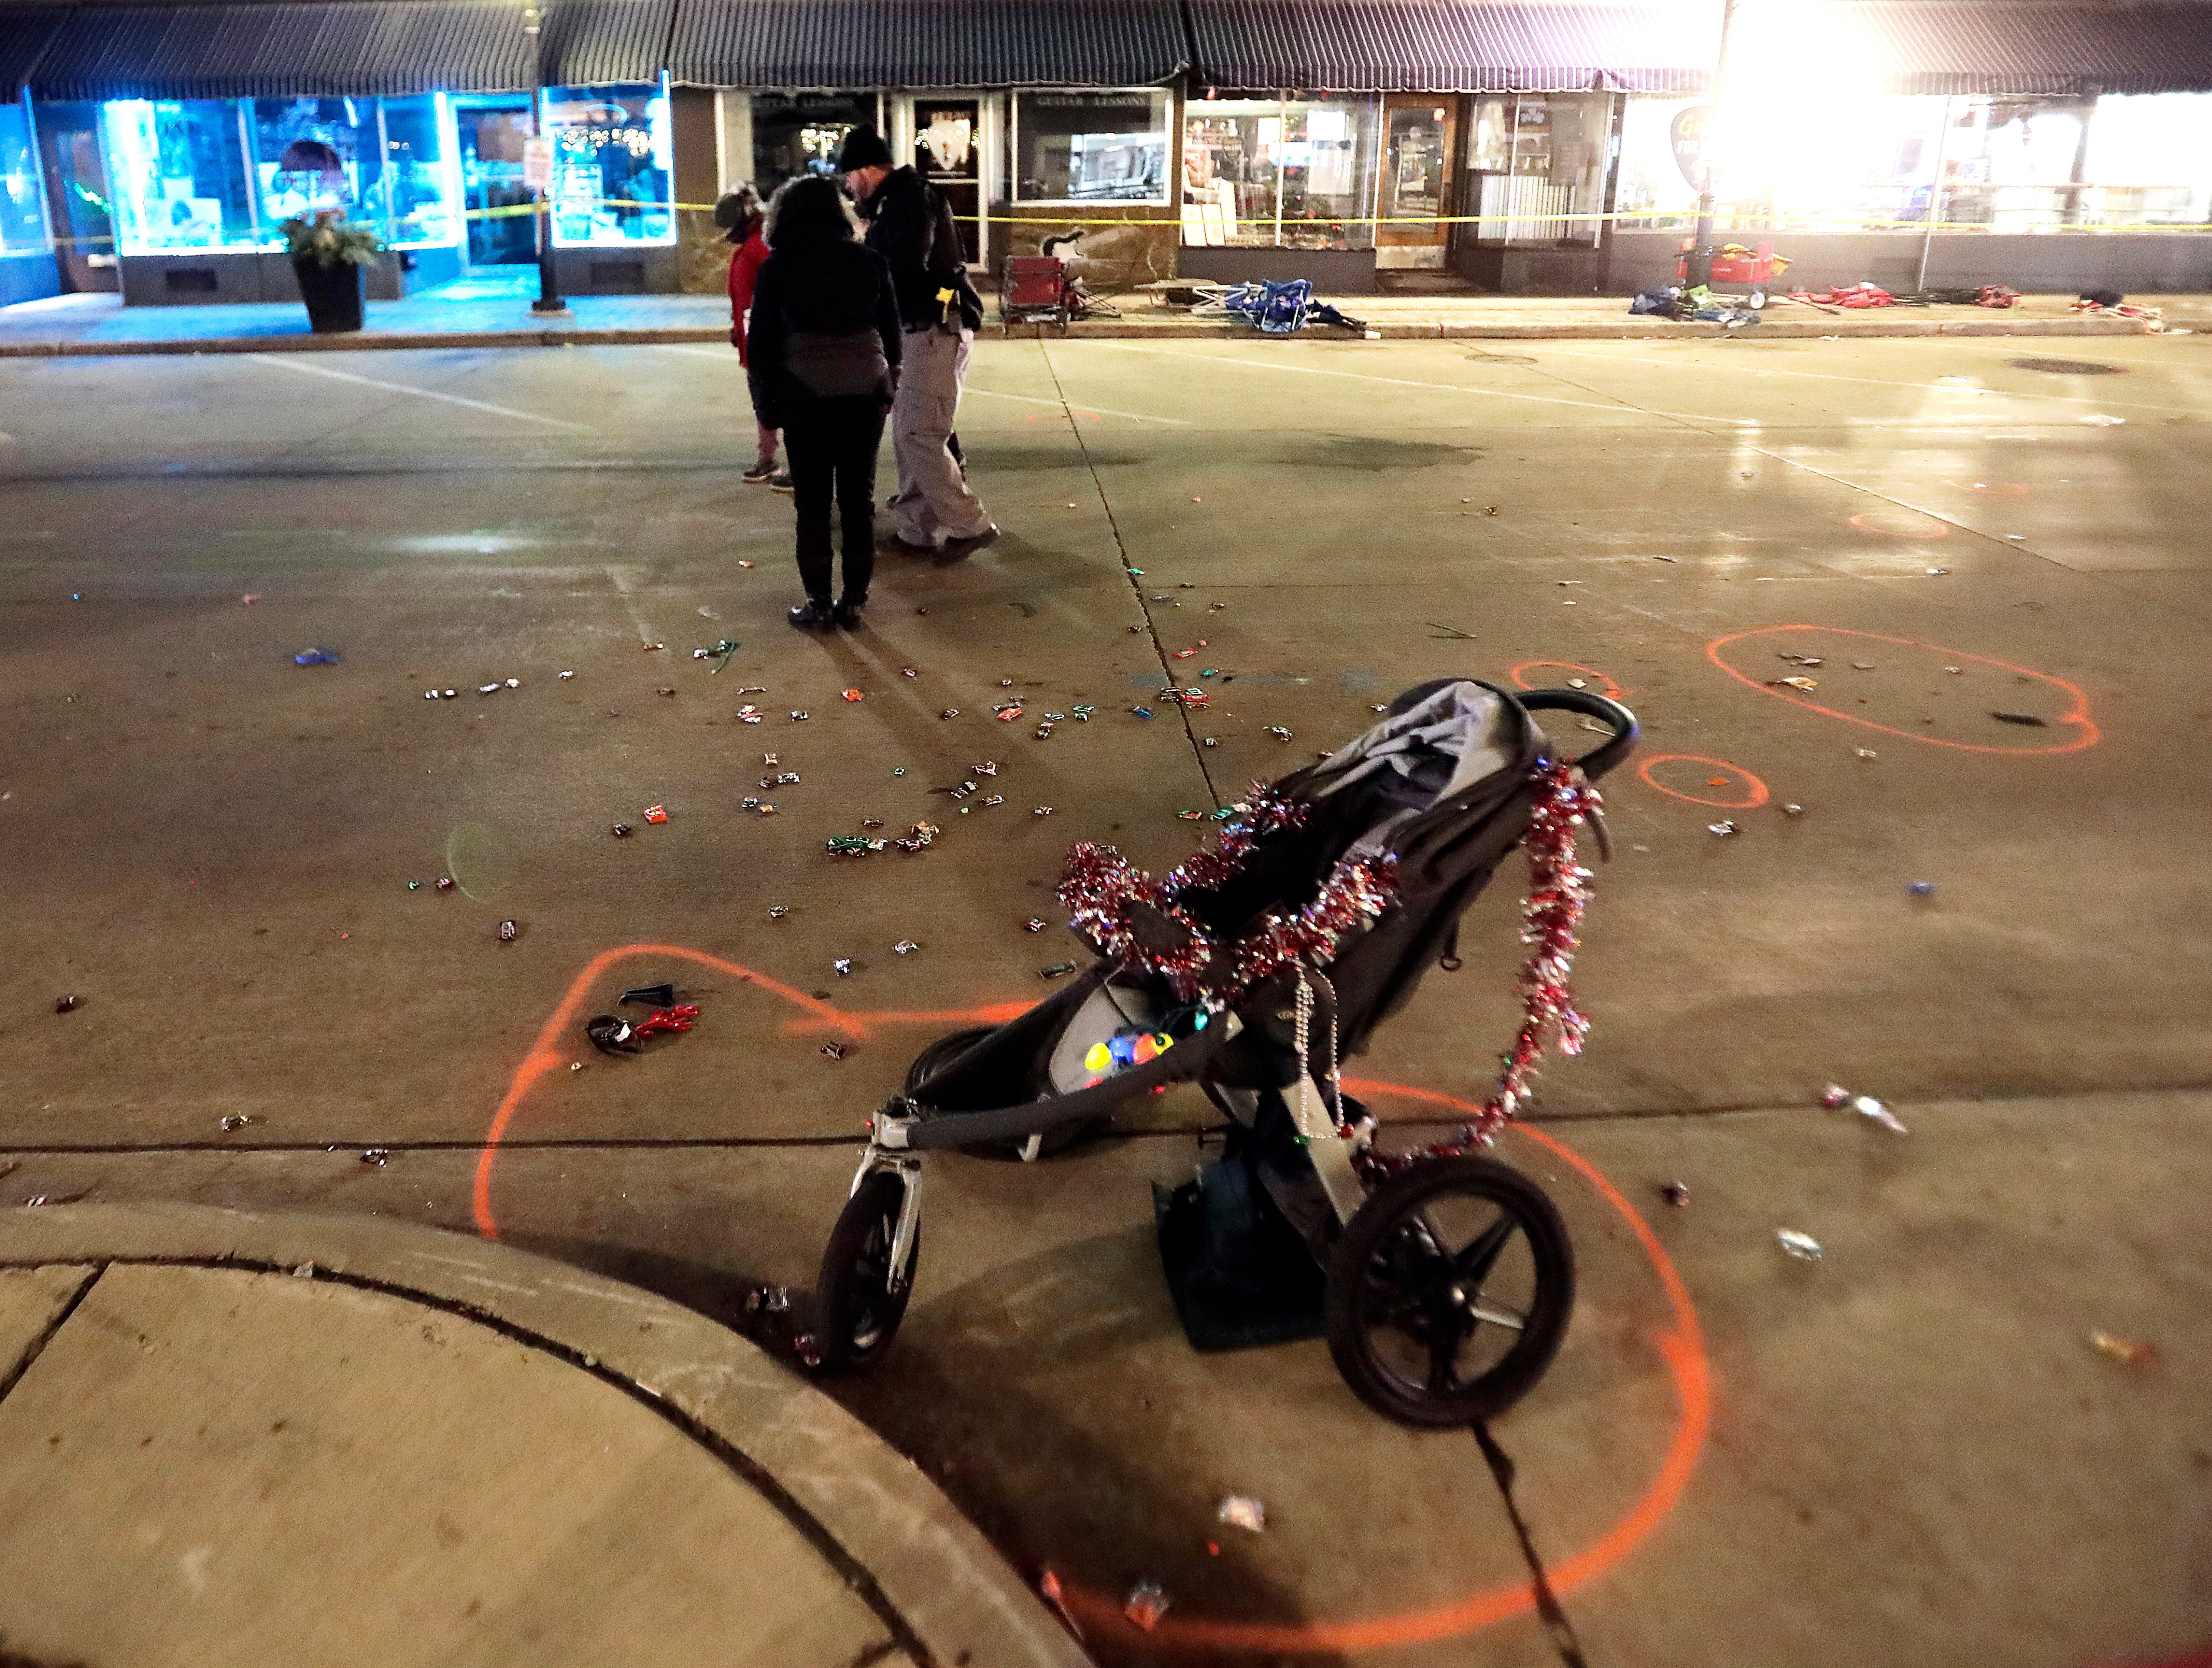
(944, 139)
(502, 231)
(1420, 132)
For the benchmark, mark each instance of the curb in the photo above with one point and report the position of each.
(1628, 330)
(947, 1584)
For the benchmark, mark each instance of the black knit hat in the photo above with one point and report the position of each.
(864, 149)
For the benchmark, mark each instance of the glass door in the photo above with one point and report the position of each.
(1419, 138)
(502, 222)
(945, 141)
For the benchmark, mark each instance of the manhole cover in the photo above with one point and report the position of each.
(2067, 367)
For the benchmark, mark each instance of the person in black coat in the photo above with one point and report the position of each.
(822, 356)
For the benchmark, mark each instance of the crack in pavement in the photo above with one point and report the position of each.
(37, 1346)
(1131, 572)
(1554, 1614)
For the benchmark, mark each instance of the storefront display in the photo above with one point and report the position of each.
(1278, 173)
(1540, 161)
(22, 205)
(316, 156)
(801, 133)
(613, 165)
(421, 174)
(1090, 147)
(178, 176)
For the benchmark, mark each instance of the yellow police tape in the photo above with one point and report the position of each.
(1623, 218)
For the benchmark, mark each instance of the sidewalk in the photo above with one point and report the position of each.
(232, 1438)
(99, 324)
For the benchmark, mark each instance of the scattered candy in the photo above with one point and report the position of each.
(1922, 888)
(1864, 752)
(444, 883)
(2022, 718)
(2133, 1352)
(64, 1004)
(378, 1156)
(565, 676)
(1008, 715)
(316, 657)
(652, 647)
(1040, 810)
(509, 931)
(777, 912)
(1242, 1512)
(843, 964)
(235, 1120)
(1677, 1193)
(1036, 924)
(1056, 970)
(1142, 712)
(1208, 741)
(656, 813)
(621, 831)
(798, 717)
(1793, 811)
(1802, 1246)
(833, 1051)
(1792, 684)
(950, 713)
(1148, 1601)
(1279, 732)
(905, 946)
(1723, 830)
(852, 695)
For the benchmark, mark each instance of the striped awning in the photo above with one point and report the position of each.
(2032, 47)
(1453, 45)
(358, 48)
(860, 44)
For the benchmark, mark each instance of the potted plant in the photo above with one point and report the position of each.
(327, 257)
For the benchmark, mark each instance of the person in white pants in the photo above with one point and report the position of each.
(911, 227)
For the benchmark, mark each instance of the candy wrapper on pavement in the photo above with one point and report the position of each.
(1441, 1278)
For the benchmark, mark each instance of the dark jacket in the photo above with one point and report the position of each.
(824, 324)
(910, 225)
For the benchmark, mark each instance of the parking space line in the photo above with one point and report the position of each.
(1058, 405)
(420, 393)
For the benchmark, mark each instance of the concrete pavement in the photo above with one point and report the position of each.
(1910, 1453)
(100, 325)
(234, 1437)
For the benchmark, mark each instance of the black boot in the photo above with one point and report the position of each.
(848, 611)
(813, 612)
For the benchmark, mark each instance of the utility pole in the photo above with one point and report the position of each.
(1701, 251)
(548, 283)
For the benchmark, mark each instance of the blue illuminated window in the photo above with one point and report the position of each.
(177, 171)
(22, 209)
(614, 176)
(422, 176)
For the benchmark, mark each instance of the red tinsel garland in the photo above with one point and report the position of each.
(1101, 886)
(1550, 916)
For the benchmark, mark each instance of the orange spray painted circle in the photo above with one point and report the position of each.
(1751, 785)
(1680, 1345)
(1612, 691)
(2076, 715)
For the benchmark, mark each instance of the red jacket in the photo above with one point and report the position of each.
(745, 267)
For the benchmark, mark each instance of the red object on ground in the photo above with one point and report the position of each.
(670, 1020)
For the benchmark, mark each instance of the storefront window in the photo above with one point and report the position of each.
(613, 178)
(1540, 161)
(315, 157)
(1274, 174)
(177, 171)
(801, 133)
(1872, 162)
(1090, 147)
(22, 212)
(420, 176)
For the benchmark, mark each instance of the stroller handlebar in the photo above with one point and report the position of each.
(1609, 753)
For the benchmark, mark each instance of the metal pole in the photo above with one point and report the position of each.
(548, 285)
(1701, 251)
(1935, 196)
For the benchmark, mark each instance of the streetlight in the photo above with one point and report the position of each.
(1701, 251)
(540, 163)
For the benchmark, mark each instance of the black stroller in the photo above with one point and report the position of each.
(1443, 1279)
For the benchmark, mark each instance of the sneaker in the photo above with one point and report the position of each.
(781, 480)
(813, 612)
(848, 612)
(959, 549)
(761, 474)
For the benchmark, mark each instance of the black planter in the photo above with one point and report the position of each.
(332, 293)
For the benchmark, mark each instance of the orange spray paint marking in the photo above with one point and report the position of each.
(1682, 1345)
(1612, 691)
(1755, 789)
(2077, 714)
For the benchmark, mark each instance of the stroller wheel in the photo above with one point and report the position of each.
(1449, 1292)
(858, 1304)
